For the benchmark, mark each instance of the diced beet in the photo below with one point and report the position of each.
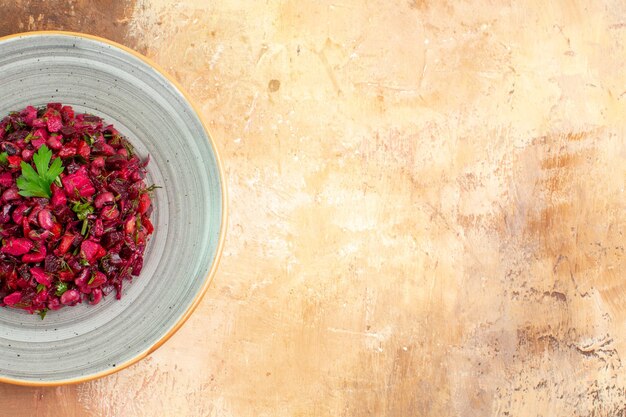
(17, 246)
(66, 243)
(83, 150)
(54, 142)
(97, 279)
(112, 238)
(67, 152)
(54, 123)
(78, 184)
(144, 203)
(64, 215)
(67, 113)
(52, 263)
(39, 138)
(138, 265)
(107, 149)
(14, 161)
(98, 228)
(68, 131)
(66, 276)
(39, 122)
(28, 115)
(58, 196)
(56, 230)
(6, 179)
(91, 251)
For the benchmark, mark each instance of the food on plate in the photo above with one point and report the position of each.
(74, 209)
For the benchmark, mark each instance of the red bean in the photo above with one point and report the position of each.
(70, 297)
(96, 296)
(10, 194)
(103, 198)
(45, 219)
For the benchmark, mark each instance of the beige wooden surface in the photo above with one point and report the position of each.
(427, 209)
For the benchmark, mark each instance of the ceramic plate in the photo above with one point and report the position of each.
(100, 77)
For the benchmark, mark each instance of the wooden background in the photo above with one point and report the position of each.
(427, 209)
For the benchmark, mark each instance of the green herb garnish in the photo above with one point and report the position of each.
(65, 266)
(84, 230)
(40, 288)
(4, 158)
(42, 313)
(37, 183)
(89, 139)
(93, 276)
(152, 188)
(129, 147)
(61, 288)
(82, 210)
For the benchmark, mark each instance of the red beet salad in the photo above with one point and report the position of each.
(74, 209)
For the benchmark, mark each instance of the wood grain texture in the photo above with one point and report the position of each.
(427, 212)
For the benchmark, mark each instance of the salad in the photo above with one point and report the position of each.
(74, 209)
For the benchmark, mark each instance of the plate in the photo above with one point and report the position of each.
(101, 77)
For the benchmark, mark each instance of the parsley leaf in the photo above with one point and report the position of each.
(40, 288)
(42, 313)
(37, 183)
(4, 158)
